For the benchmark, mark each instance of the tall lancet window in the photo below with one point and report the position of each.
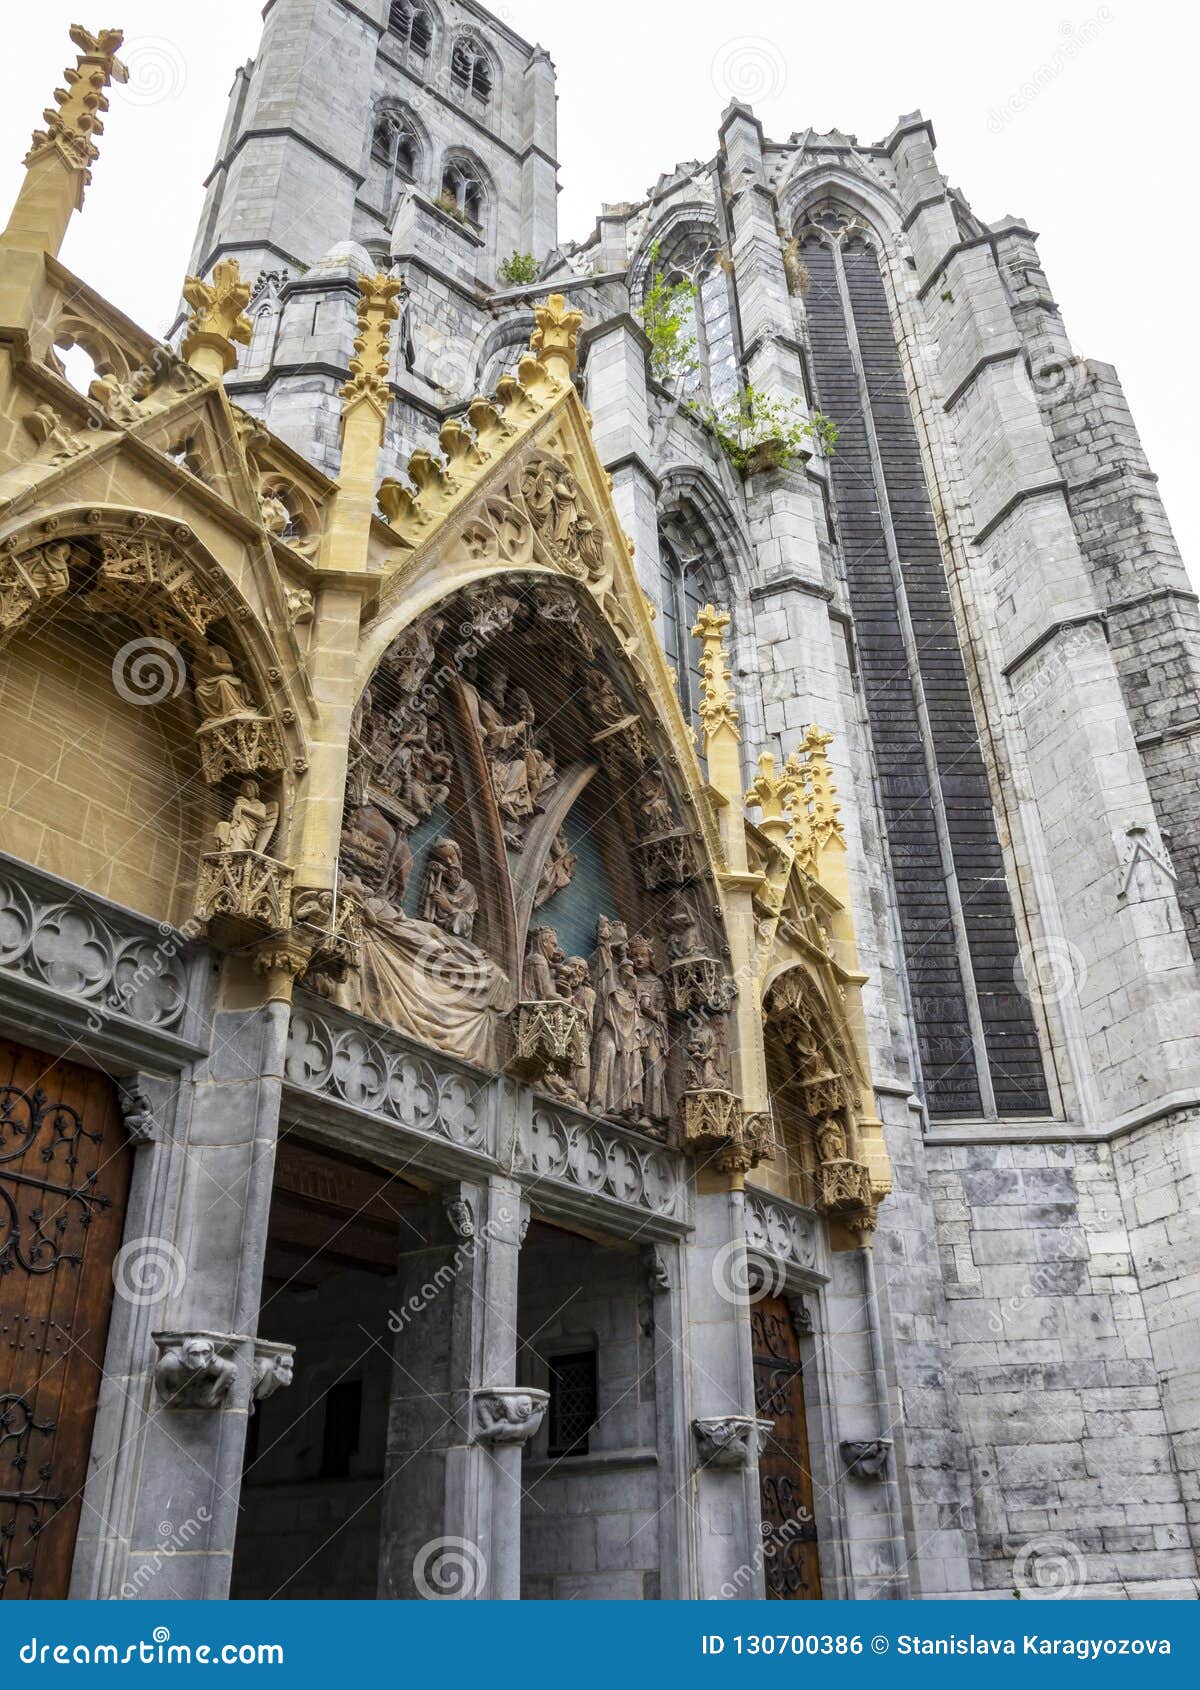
(685, 586)
(412, 27)
(704, 368)
(470, 71)
(393, 155)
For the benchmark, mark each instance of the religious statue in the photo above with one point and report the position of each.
(706, 1055)
(557, 870)
(375, 853)
(448, 898)
(831, 1139)
(522, 771)
(616, 1078)
(221, 693)
(575, 982)
(684, 939)
(653, 1030)
(251, 821)
(654, 806)
(411, 654)
(540, 979)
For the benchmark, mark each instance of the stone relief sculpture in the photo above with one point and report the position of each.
(707, 1058)
(540, 977)
(557, 871)
(616, 1080)
(575, 981)
(654, 1037)
(235, 735)
(251, 823)
(448, 899)
(522, 769)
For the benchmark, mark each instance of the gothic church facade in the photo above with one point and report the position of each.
(599, 926)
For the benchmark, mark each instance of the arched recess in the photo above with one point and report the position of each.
(518, 829)
(465, 188)
(685, 245)
(143, 697)
(703, 558)
(500, 350)
(816, 1086)
(398, 153)
(812, 185)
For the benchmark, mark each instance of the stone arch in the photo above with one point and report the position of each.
(871, 201)
(414, 28)
(687, 220)
(507, 647)
(501, 349)
(472, 68)
(196, 641)
(391, 168)
(468, 182)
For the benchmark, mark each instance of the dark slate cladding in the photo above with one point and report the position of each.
(933, 966)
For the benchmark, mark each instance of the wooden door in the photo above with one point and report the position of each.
(64, 1178)
(791, 1565)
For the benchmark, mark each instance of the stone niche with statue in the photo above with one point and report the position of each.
(531, 898)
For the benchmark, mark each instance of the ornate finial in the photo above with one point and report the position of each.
(717, 707)
(768, 794)
(377, 311)
(555, 338)
(218, 318)
(809, 793)
(74, 120)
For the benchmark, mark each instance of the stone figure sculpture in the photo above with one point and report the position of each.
(653, 1030)
(616, 1079)
(540, 979)
(251, 821)
(448, 898)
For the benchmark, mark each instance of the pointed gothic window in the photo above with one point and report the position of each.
(708, 364)
(685, 588)
(393, 154)
(412, 27)
(462, 192)
(469, 69)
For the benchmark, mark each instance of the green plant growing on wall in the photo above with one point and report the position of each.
(518, 267)
(665, 314)
(757, 432)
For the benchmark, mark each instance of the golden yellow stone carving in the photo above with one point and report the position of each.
(555, 339)
(218, 319)
(74, 120)
(718, 708)
(810, 796)
(377, 311)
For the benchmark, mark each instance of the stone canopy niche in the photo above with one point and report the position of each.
(531, 896)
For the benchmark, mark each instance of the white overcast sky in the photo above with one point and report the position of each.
(1074, 116)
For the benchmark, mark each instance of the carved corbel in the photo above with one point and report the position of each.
(507, 1414)
(249, 892)
(460, 1213)
(866, 1458)
(274, 1365)
(194, 1369)
(140, 1099)
(730, 1440)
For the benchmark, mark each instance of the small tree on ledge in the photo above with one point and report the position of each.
(517, 268)
(757, 432)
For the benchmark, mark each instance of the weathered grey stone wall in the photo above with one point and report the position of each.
(589, 1523)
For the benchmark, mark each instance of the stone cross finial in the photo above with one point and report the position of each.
(377, 311)
(218, 319)
(767, 794)
(718, 709)
(556, 337)
(73, 121)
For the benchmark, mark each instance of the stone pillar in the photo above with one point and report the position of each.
(539, 166)
(452, 1501)
(726, 1512)
(187, 1454)
(619, 401)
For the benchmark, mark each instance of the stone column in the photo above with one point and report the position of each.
(452, 1502)
(727, 1537)
(187, 1452)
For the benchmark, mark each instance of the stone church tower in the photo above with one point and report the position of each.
(923, 1316)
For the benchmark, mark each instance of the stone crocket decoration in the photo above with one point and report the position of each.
(218, 318)
(507, 1414)
(377, 311)
(71, 130)
(191, 1372)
